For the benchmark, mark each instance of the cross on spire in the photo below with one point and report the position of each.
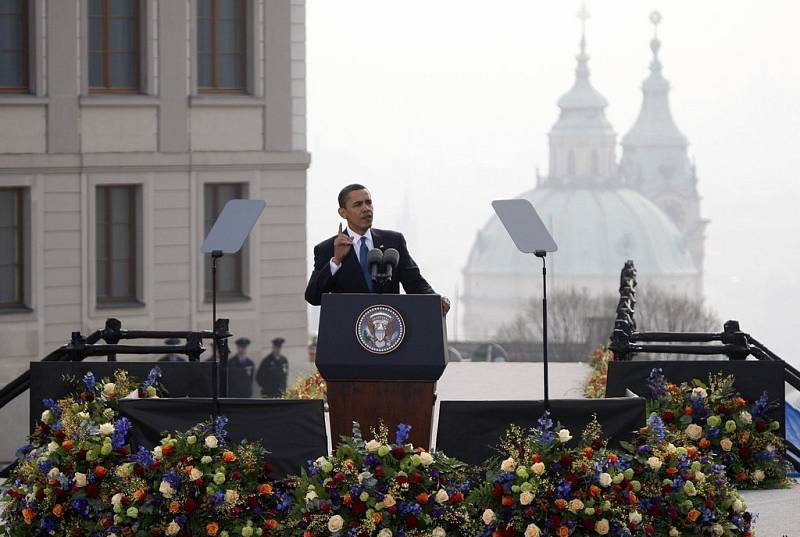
(655, 18)
(583, 15)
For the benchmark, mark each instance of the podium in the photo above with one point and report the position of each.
(381, 356)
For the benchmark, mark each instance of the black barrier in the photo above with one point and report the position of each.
(468, 430)
(752, 377)
(181, 379)
(293, 431)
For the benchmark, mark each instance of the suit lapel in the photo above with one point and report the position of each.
(354, 268)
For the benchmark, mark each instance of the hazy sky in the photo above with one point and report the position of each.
(440, 106)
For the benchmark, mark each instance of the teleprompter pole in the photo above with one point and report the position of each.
(542, 254)
(216, 254)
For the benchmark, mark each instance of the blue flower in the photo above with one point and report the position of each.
(544, 427)
(152, 378)
(657, 383)
(143, 457)
(219, 427)
(656, 427)
(402, 433)
(89, 381)
(51, 405)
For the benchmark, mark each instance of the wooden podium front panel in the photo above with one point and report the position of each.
(369, 401)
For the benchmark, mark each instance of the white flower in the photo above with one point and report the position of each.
(46, 416)
(165, 489)
(211, 441)
(389, 500)
(532, 531)
(195, 474)
(80, 480)
(231, 496)
(605, 480)
(83, 415)
(116, 499)
(108, 413)
(426, 458)
(110, 390)
(694, 431)
(106, 429)
(654, 463)
(157, 452)
(487, 516)
(564, 436)
(526, 497)
(717, 530)
(738, 506)
(575, 505)
(373, 445)
(438, 531)
(673, 532)
(385, 532)
(635, 517)
(311, 496)
(758, 475)
(538, 468)
(698, 393)
(508, 465)
(700, 476)
(601, 526)
(52, 447)
(363, 475)
(54, 473)
(335, 523)
(671, 448)
(441, 496)
(173, 528)
(745, 416)
(726, 444)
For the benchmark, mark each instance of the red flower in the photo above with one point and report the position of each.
(588, 524)
(167, 450)
(497, 491)
(100, 472)
(401, 479)
(138, 470)
(417, 478)
(359, 508)
(190, 505)
(745, 452)
(236, 474)
(411, 521)
(92, 491)
(398, 453)
(566, 460)
(324, 507)
(60, 435)
(379, 472)
(668, 416)
(456, 497)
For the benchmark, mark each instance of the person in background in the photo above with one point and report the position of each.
(240, 371)
(312, 353)
(172, 357)
(273, 371)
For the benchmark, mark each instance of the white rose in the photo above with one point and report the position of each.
(123, 471)
(51, 447)
(738, 506)
(532, 531)
(694, 431)
(526, 497)
(385, 532)
(373, 445)
(231, 496)
(110, 390)
(564, 436)
(363, 475)
(426, 458)
(54, 473)
(717, 530)
(745, 416)
(389, 500)
(116, 499)
(487, 516)
(635, 517)
(673, 532)
(173, 528)
(311, 496)
(46, 416)
(538, 468)
(605, 480)
(211, 441)
(758, 475)
(671, 448)
(700, 476)
(106, 429)
(575, 505)
(335, 523)
(83, 415)
(195, 474)
(654, 463)
(438, 531)
(508, 465)
(441, 496)
(80, 480)
(157, 452)
(165, 489)
(726, 444)
(601, 526)
(699, 392)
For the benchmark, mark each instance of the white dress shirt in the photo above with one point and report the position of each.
(356, 246)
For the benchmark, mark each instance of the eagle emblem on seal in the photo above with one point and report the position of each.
(380, 329)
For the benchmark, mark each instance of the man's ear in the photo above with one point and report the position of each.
(341, 213)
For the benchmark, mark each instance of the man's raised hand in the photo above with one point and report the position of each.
(341, 246)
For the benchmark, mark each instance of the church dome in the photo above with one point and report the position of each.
(596, 229)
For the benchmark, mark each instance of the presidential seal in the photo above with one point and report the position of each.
(380, 329)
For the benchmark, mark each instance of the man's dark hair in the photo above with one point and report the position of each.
(346, 190)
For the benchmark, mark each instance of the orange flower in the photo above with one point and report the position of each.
(187, 469)
(744, 437)
(28, 514)
(704, 443)
(174, 507)
(536, 457)
(563, 531)
(594, 490)
(561, 503)
(422, 497)
(632, 498)
(347, 499)
(691, 451)
(212, 528)
(613, 458)
(308, 533)
(265, 489)
(508, 500)
(58, 510)
(740, 401)
(588, 452)
(139, 495)
(671, 470)
(376, 518)
(100, 471)
(167, 449)
(271, 524)
(693, 515)
(67, 444)
(349, 464)
(228, 456)
(741, 476)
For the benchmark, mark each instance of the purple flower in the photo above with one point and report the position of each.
(89, 381)
(656, 427)
(657, 383)
(402, 433)
(152, 378)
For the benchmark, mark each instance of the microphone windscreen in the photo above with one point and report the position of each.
(391, 257)
(374, 256)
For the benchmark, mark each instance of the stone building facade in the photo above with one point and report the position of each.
(125, 125)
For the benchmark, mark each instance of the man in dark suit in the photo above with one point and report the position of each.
(340, 262)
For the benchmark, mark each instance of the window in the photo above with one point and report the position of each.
(230, 267)
(221, 45)
(12, 248)
(13, 46)
(117, 245)
(114, 46)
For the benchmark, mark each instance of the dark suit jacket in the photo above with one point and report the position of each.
(350, 279)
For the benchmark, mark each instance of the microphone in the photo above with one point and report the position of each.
(391, 258)
(374, 260)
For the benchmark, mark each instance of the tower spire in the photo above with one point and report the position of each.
(583, 16)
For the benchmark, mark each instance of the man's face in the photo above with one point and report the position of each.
(276, 349)
(358, 210)
(312, 354)
(241, 351)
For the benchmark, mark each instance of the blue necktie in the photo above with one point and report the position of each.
(363, 251)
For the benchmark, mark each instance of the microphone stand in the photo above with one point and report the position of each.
(542, 254)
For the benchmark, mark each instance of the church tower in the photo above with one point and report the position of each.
(582, 141)
(655, 158)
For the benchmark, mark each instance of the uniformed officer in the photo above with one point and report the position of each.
(273, 371)
(240, 371)
(172, 357)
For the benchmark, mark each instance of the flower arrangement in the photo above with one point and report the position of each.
(382, 489)
(310, 387)
(595, 384)
(64, 476)
(716, 420)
